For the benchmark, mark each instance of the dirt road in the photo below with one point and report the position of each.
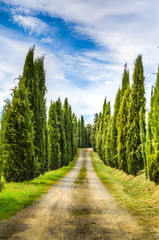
(76, 208)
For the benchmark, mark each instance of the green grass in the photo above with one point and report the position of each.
(138, 194)
(16, 196)
(81, 178)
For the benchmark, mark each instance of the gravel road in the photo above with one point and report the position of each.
(75, 210)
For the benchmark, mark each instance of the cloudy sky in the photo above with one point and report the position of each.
(86, 43)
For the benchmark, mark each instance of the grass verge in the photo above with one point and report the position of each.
(16, 196)
(138, 194)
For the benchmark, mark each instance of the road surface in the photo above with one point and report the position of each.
(75, 210)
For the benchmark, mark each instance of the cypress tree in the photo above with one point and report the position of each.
(75, 134)
(108, 145)
(54, 138)
(82, 132)
(70, 134)
(114, 132)
(93, 132)
(106, 118)
(34, 81)
(98, 138)
(89, 132)
(137, 101)
(79, 132)
(40, 125)
(67, 130)
(122, 119)
(122, 127)
(63, 148)
(19, 160)
(153, 135)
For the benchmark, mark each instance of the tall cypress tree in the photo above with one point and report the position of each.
(19, 160)
(98, 134)
(106, 118)
(93, 133)
(70, 133)
(122, 119)
(82, 132)
(54, 138)
(114, 132)
(74, 134)
(34, 81)
(67, 129)
(89, 132)
(79, 132)
(122, 127)
(137, 102)
(153, 135)
(63, 148)
(108, 146)
(40, 125)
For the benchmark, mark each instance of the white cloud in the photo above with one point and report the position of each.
(32, 24)
(47, 40)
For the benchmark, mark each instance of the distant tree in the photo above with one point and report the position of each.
(79, 132)
(93, 133)
(88, 136)
(82, 132)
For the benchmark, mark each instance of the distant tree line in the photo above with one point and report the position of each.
(31, 145)
(121, 139)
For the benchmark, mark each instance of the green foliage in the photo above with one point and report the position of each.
(121, 123)
(67, 129)
(153, 135)
(120, 140)
(104, 132)
(54, 139)
(93, 133)
(19, 160)
(108, 146)
(74, 135)
(122, 128)
(114, 132)
(62, 140)
(40, 126)
(82, 133)
(88, 135)
(34, 81)
(137, 102)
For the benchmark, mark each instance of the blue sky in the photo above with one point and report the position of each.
(86, 44)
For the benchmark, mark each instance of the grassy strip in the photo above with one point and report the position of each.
(81, 178)
(16, 196)
(138, 194)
